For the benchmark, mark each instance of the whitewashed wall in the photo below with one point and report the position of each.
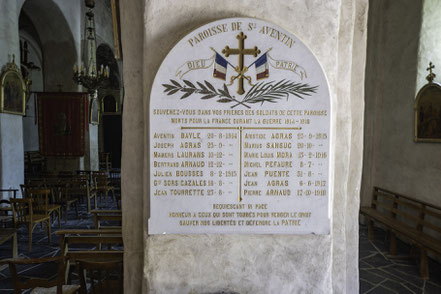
(11, 126)
(404, 36)
(30, 126)
(236, 263)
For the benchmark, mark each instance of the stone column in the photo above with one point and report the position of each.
(91, 158)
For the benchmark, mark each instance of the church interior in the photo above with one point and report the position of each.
(74, 123)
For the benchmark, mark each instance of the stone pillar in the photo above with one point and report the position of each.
(91, 158)
(11, 126)
(245, 263)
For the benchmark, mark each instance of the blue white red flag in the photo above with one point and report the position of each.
(220, 67)
(262, 70)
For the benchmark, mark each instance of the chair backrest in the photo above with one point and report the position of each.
(79, 185)
(31, 184)
(100, 180)
(9, 191)
(82, 178)
(40, 199)
(99, 174)
(66, 174)
(31, 283)
(21, 208)
(105, 276)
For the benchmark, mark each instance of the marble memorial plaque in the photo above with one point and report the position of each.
(239, 134)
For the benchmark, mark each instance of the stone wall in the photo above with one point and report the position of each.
(239, 263)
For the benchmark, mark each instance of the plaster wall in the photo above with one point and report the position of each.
(238, 263)
(11, 148)
(403, 38)
(11, 126)
(93, 158)
(103, 23)
(30, 126)
(429, 43)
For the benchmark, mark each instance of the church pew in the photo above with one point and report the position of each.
(415, 220)
(100, 215)
(92, 239)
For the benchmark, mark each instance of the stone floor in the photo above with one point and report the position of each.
(381, 274)
(41, 247)
(378, 272)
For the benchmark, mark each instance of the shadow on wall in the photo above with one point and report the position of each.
(391, 71)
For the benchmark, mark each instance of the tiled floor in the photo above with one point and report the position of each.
(381, 274)
(378, 272)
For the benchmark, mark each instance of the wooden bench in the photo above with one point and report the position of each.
(100, 215)
(9, 233)
(90, 237)
(417, 221)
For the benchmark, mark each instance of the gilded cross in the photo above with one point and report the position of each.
(431, 75)
(431, 66)
(241, 52)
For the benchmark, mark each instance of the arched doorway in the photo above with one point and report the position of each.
(110, 132)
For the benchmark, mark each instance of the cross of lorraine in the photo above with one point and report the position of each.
(241, 52)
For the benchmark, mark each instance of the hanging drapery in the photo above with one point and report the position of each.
(62, 121)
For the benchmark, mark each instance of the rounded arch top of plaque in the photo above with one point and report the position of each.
(239, 134)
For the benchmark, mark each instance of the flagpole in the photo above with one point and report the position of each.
(259, 57)
(224, 58)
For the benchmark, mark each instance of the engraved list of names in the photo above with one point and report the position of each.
(239, 138)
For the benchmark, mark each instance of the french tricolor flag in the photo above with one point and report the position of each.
(262, 71)
(220, 67)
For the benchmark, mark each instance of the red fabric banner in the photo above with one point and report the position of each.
(62, 121)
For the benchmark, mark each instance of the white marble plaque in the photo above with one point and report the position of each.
(239, 134)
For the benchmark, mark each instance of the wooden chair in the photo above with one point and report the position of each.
(87, 173)
(65, 174)
(5, 217)
(40, 285)
(79, 187)
(105, 161)
(22, 212)
(105, 276)
(13, 191)
(34, 163)
(115, 181)
(66, 199)
(9, 233)
(102, 185)
(41, 203)
(5, 205)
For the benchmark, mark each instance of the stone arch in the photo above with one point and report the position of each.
(58, 43)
